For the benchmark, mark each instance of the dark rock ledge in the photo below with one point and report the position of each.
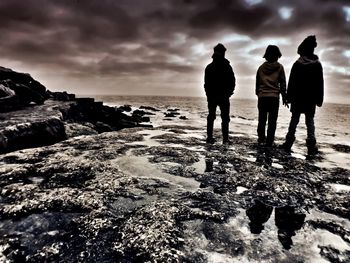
(33, 116)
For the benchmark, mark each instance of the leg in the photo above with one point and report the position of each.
(225, 119)
(311, 139)
(210, 120)
(273, 115)
(262, 120)
(291, 131)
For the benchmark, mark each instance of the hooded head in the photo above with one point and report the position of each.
(220, 49)
(307, 47)
(272, 53)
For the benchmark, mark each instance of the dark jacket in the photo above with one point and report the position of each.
(305, 85)
(270, 80)
(219, 79)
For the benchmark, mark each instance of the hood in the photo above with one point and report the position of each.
(306, 60)
(270, 67)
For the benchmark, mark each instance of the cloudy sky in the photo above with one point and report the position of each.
(161, 47)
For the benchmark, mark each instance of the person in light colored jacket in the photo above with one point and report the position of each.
(270, 83)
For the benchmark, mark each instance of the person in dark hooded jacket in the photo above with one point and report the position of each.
(270, 83)
(305, 91)
(219, 85)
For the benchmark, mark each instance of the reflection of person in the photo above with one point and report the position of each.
(219, 84)
(305, 91)
(258, 215)
(270, 83)
(287, 222)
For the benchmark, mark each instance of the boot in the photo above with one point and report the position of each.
(210, 128)
(225, 132)
(287, 145)
(311, 147)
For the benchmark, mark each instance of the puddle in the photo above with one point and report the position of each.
(241, 189)
(148, 141)
(139, 166)
(264, 234)
(340, 188)
(36, 180)
(277, 165)
(200, 166)
(298, 155)
(334, 159)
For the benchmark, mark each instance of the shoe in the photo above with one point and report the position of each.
(311, 147)
(210, 140)
(227, 142)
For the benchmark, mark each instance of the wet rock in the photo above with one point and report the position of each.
(126, 108)
(28, 135)
(77, 129)
(26, 90)
(152, 234)
(149, 108)
(341, 148)
(60, 96)
(334, 255)
(183, 118)
(171, 114)
(170, 154)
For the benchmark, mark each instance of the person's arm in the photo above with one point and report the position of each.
(206, 80)
(291, 84)
(257, 82)
(320, 87)
(233, 81)
(282, 86)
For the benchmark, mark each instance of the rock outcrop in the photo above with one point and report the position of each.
(56, 117)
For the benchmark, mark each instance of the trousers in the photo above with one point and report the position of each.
(268, 111)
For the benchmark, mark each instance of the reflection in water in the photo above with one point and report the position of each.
(286, 220)
(208, 165)
(258, 215)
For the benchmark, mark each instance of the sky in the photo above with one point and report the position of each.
(161, 47)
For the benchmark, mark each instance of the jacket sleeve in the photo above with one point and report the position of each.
(232, 80)
(292, 84)
(320, 87)
(282, 82)
(206, 80)
(257, 82)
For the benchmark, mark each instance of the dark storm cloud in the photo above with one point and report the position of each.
(92, 38)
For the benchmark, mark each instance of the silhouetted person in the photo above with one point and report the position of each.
(258, 215)
(305, 91)
(287, 222)
(219, 84)
(270, 83)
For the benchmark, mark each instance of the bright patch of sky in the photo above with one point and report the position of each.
(264, 42)
(347, 53)
(199, 49)
(347, 13)
(234, 38)
(179, 39)
(253, 2)
(285, 12)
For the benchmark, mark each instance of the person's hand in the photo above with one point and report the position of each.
(285, 102)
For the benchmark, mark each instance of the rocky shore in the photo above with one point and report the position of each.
(84, 182)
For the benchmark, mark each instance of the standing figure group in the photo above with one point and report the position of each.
(304, 92)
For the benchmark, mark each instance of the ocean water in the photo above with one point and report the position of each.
(332, 121)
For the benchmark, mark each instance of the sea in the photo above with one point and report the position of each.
(331, 120)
